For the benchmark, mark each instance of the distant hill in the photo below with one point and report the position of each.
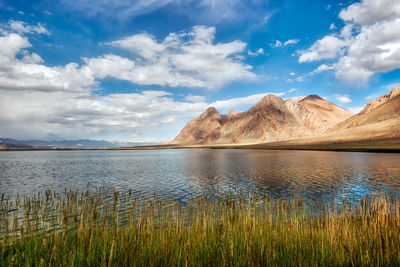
(379, 120)
(272, 119)
(4, 145)
(84, 144)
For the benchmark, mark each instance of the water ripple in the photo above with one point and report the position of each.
(177, 173)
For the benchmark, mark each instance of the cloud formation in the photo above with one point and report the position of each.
(200, 11)
(188, 59)
(368, 43)
(288, 42)
(60, 102)
(23, 28)
(260, 51)
(343, 98)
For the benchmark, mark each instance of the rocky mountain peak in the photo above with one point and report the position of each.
(373, 104)
(269, 100)
(312, 97)
(271, 119)
(233, 112)
(210, 112)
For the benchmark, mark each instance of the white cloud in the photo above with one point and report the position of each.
(241, 101)
(301, 78)
(326, 48)
(28, 74)
(368, 43)
(292, 74)
(343, 98)
(355, 110)
(260, 51)
(58, 102)
(290, 42)
(60, 115)
(195, 98)
(181, 59)
(187, 59)
(21, 27)
(292, 90)
(369, 12)
(322, 68)
(277, 43)
(332, 26)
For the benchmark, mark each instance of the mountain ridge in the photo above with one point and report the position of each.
(269, 120)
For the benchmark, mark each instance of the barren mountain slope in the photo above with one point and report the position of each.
(199, 128)
(268, 120)
(271, 119)
(382, 122)
(381, 100)
(316, 115)
(376, 123)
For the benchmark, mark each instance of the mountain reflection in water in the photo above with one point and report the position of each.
(177, 173)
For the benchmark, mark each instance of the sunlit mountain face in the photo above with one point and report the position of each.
(138, 71)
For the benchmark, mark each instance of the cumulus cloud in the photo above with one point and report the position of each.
(290, 42)
(60, 115)
(343, 98)
(277, 44)
(181, 59)
(28, 74)
(260, 51)
(186, 59)
(241, 101)
(195, 98)
(368, 43)
(326, 48)
(322, 68)
(59, 102)
(23, 28)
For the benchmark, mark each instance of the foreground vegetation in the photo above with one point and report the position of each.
(108, 228)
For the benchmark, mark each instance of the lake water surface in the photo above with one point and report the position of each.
(177, 173)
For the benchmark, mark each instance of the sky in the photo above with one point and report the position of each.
(139, 70)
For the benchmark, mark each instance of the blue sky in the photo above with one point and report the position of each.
(138, 70)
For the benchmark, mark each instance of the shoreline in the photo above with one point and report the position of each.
(341, 147)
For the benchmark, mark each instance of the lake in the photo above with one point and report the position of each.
(177, 173)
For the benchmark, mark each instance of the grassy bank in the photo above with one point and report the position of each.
(108, 228)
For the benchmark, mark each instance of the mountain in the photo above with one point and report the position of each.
(4, 145)
(379, 120)
(271, 119)
(83, 143)
(373, 104)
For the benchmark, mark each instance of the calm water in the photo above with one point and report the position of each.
(176, 173)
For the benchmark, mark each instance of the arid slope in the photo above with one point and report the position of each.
(270, 120)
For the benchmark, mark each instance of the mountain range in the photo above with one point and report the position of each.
(310, 119)
(8, 143)
(302, 120)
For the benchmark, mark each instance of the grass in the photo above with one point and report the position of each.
(109, 228)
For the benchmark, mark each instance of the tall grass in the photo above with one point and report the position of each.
(109, 228)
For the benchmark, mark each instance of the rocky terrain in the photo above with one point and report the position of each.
(271, 119)
(379, 120)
